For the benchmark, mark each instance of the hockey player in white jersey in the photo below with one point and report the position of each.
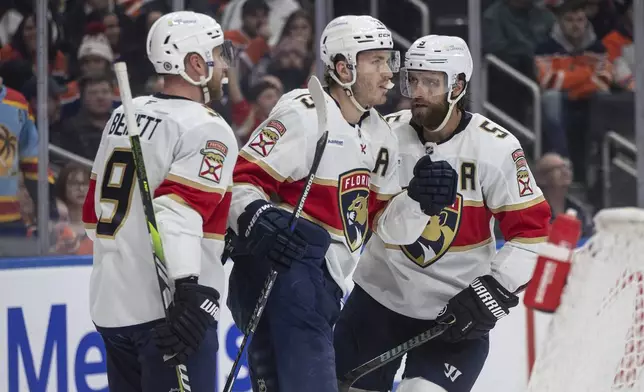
(189, 153)
(452, 272)
(356, 188)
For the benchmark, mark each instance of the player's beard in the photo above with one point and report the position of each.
(429, 115)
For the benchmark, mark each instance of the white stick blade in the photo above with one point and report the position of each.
(120, 69)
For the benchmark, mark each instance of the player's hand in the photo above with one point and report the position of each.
(266, 232)
(433, 186)
(194, 310)
(474, 311)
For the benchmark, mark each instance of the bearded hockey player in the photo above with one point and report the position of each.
(451, 273)
(356, 188)
(189, 152)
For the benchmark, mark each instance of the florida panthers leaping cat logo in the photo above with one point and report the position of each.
(437, 236)
(353, 194)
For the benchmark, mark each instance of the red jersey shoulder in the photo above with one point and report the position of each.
(15, 96)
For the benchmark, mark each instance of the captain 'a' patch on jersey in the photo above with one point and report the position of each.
(212, 163)
(437, 237)
(353, 195)
(523, 174)
(267, 137)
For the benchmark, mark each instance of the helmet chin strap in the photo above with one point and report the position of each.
(203, 82)
(452, 105)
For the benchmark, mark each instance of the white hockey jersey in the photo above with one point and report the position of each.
(458, 245)
(189, 154)
(356, 185)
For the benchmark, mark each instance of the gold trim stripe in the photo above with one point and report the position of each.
(194, 184)
(523, 240)
(269, 170)
(308, 217)
(213, 236)
(473, 203)
(465, 248)
(518, 207)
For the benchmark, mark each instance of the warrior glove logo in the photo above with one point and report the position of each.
(353, 194)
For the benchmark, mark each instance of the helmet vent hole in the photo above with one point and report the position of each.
(166, 39)
(167, 52)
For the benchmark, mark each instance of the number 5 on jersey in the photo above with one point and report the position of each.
(116, 192)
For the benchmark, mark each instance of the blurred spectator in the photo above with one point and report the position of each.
(299, 25)
(553, 174)
(572, 65)
(95, 58)
(16, 73)
(251, 40)
(18, 153)
(602, 15)
(55, 90)
(621, 50)
(23, 46)
(513, 29)
(113, 34)
(261, 100)
(82, 133)
(77, 16)
(152, 17)
(154, 85)
(289, 61)
(10, 19)
(71, 189)
(279, 11)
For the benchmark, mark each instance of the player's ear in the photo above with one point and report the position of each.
(459, 86)
(195, 62)
(342, 69)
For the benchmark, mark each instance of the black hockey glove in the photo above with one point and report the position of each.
(266, 233)
(433, 186)
(193, 311)
(474, 311)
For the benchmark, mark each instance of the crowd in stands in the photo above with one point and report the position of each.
(574, 49)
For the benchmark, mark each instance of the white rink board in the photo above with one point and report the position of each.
(48, 342)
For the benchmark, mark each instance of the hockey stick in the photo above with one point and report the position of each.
(345, 382)
(157, 249)
(320, 107)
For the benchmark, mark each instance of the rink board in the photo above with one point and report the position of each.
(48, 342)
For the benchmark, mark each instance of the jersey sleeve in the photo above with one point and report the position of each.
(515, 200)
(90, 212)
(191, 204)
(275, 153)
(394, 216)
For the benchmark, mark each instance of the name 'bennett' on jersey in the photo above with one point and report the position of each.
(145, 122)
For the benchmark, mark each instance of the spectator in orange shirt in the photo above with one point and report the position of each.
(251, 40)
(23, 46)
(572, 65)
(621, 50)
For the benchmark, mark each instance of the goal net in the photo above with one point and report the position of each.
(595, 342)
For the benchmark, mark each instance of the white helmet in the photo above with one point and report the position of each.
(438, 53)
(349, 35)
(176, 34)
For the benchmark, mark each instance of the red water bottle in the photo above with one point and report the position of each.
(549, 277)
